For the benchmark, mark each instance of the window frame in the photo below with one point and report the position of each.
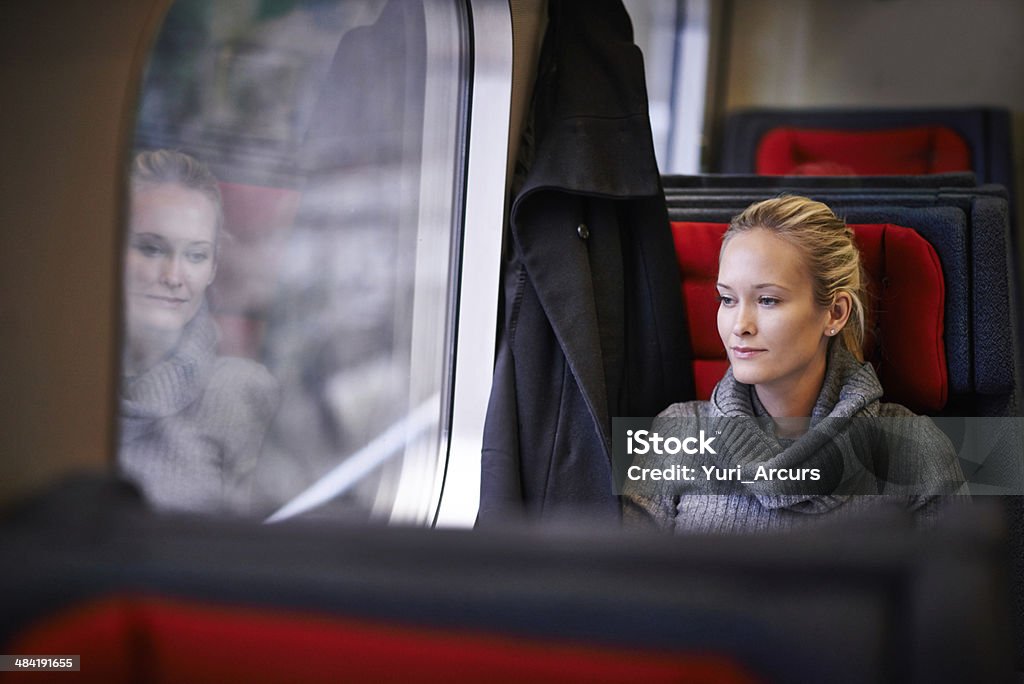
(483, 225)
(446, 490)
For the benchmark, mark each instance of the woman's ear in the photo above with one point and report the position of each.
(839, 313)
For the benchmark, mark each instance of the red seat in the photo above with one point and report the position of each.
(819, 152)
(131, 639)
(905, 310)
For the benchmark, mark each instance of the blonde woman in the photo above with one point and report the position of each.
(800, 435)
(192, 422)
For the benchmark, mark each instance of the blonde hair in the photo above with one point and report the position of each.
(156, 167)
(828, 248)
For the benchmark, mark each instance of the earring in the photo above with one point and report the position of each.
(832, 331)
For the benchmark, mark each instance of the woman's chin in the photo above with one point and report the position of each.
(747, 376)
(156, 323)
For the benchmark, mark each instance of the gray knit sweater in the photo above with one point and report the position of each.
(842, 443)
(193, 425)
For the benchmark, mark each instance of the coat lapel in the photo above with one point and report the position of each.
(547, 239)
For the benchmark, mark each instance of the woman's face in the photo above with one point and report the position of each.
(772, 329)
(171, 256)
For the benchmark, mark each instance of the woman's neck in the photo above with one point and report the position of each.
(790, 402)
(145, 349)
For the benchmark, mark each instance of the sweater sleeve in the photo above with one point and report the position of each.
(644, 503)
(923, 464)
(657, 512)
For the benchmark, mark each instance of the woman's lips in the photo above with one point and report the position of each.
(746, 352)
(170, 302)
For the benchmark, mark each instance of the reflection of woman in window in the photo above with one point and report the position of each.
(791, 318)
(192, 422)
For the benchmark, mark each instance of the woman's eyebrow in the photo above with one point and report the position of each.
(762, 286)
(152, 236)
(759, 286)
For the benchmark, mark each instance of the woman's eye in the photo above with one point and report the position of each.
(767, 301)
(197, 257)
(725, 300)
(149, 250)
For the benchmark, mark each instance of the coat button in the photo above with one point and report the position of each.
(583, 231)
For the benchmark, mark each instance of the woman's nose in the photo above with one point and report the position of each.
(170, 274)
(744, 323)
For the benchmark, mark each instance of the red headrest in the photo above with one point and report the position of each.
(258, 219)
(252, 212)
(913, 151)
(905, 310)
(132, 639)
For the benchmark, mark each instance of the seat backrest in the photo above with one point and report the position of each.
(822, 152)
(143, 638)
(969, 231)
(876, 136)
(906, 307)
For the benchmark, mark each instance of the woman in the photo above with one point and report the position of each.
(192, 423)
(799, 433)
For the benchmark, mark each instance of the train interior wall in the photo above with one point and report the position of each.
(66, 124)
(877, 53)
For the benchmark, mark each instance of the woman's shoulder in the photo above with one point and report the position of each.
(687, 409)
(238, 379)
(922, 459)
(886, 410)
(901, 421)
(234, 369)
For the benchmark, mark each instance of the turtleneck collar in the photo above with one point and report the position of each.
(176, 381)
(850, 389)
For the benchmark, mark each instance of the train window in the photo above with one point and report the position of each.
(677, 38)
(294, 257)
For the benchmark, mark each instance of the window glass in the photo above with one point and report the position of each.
(296, 360)
(655, 30)
(677, 38)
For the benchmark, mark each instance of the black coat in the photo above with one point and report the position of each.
(593, 324)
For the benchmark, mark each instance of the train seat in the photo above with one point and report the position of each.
(746, 182)
(188, 640)
(968, 229)
(142, 597)
(813, 152)
(869, 141)
(905, 318)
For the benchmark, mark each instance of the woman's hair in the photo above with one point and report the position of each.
(828, 248)
(156, 167)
